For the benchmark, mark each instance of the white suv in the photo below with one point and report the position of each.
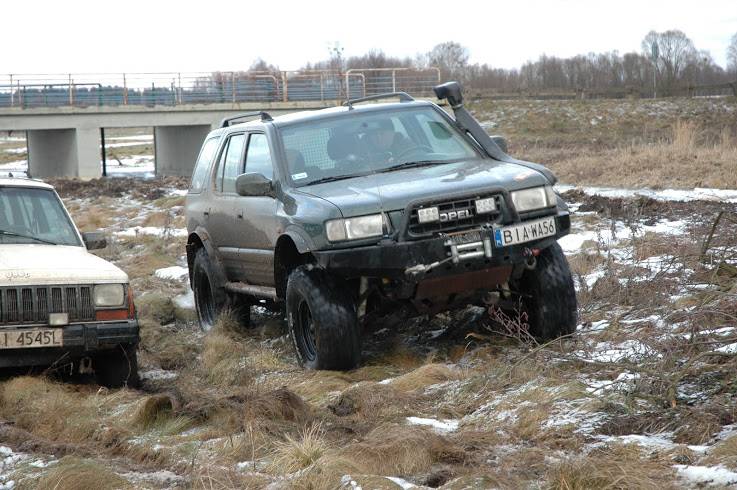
(60, 304)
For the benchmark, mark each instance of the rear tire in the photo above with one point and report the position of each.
(118, 367)
(322, 321)
(548, 295)
(209, 297)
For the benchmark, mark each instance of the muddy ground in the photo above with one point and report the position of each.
(641, 396)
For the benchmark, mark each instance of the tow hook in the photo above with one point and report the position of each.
(531, 258)
(85, 366)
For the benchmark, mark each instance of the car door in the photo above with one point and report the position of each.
(257, 217)
(221, 219)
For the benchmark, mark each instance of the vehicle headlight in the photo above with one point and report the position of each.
(109, 295)
(355, 228)
(534, 198)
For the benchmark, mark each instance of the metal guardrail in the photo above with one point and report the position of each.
(172, 89)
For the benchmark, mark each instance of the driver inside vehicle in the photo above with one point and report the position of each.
(383, 142)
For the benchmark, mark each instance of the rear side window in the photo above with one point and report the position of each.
(233, 163)
(199, 176)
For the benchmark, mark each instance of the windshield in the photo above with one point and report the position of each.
(359, 144)
(30, 215)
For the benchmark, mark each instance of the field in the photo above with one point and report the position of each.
(641, 396)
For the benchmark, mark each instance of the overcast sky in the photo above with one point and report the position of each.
(155, 35)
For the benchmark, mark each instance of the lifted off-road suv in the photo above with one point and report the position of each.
(348, 214)
(59, 304)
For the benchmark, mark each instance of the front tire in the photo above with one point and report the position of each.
(322, 321)
(548, 295)
(209, 296)
(118, 367)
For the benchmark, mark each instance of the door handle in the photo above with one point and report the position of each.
(240, 214)
(206, 213)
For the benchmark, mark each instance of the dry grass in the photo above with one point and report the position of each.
(298, 453)
(392, 449)
(50, 410)
(79, 474)
(426, 375)
(368, 401)
(277, 405)
(619, 467)
(157, 413)
(724, 453)
(93, 218)
(685, 159)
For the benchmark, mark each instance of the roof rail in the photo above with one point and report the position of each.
(265, 116)
(403, 97)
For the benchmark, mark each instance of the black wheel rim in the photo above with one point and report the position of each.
(306, 332)
(204, 300)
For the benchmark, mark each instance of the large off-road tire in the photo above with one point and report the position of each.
(548, 295)
(118, 367)
(209, 296)
(322, 320)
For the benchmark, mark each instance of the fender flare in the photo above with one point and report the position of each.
(212, 254)
(301, 241)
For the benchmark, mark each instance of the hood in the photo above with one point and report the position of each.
(37, 265)
(392, 191)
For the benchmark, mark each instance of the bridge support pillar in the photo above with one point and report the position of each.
(176, 148)
(64, 153)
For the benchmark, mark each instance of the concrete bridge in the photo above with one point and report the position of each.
(63, 114)
(65, 141)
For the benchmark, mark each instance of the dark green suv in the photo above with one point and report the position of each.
(345, 215)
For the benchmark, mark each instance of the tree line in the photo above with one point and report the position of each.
(668, 64)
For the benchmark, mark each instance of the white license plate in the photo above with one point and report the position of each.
(524, 232)
(32, 337)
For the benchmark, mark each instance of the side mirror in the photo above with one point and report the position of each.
(501, 142)
(253, 184)
(94, 240)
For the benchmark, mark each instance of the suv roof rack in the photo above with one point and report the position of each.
(403, 97)
(265, 116)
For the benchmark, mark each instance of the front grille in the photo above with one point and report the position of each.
(32, 304)
(417, 229)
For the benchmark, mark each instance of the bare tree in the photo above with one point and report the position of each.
(260, 65)
(732, 55)
(451, 58)
(674, 51)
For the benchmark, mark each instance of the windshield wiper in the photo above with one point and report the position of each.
(417, 163)
(19, 235)
(334, 178)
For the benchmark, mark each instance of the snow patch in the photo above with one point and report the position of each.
(446, 425)
(158, 374)
(152, 230)
(173, 273)
(728, 349)
(185, 301)
(707, 475)
(401, 482)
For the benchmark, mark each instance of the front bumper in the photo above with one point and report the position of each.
(78, 340)
(391, 259)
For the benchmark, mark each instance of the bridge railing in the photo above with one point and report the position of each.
(150, 89)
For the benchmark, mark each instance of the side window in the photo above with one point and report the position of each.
(233, 166)
(199, 175)
(258, 158)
